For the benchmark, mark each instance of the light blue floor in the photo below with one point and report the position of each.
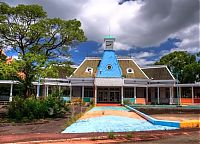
(112, 124)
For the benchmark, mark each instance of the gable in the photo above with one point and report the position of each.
(129, 63)
(80, 72)
(109, 66)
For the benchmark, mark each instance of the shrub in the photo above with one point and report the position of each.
(111, 135)
(31, 108)
(127, 102)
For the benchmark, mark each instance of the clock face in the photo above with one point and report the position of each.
(109, 44)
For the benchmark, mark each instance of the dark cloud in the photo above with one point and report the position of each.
(142, 23)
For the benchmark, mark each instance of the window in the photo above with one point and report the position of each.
(128, 92)
(88, 92)
(129, 70)
(109, 67)
(89, 70)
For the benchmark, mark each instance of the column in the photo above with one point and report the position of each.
(135, 93)
(95, 95)
(147, 95)
(82, 93)
(11, 91)
(170, 95)
(47, 90)
(70, 93)
(38, 90)
(122, 95)
(179, 96)
(158, 95)
(192, 95)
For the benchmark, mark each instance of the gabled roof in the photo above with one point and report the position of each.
(158, 73)
(80, 71)
(124, 64)
(129, 63)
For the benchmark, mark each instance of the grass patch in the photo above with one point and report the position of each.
(76, 117)
(111, 135)
(129, 136)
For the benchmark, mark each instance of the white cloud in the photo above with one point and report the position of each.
(143, 61)
(142, 24)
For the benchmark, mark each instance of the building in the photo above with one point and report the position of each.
(112, 79)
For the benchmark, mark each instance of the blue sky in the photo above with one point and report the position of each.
(146, 29)
(147, 54)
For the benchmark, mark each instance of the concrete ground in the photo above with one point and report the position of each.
(110, 112)
(176, 117)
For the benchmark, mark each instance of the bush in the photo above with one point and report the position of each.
(31, 108)
(127, 102)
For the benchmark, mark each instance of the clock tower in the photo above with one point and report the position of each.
(109, 66)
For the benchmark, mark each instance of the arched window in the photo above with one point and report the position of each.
(129, 70)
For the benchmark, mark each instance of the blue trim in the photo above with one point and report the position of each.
(155, 121)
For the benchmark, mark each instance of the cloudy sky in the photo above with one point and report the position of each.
(144, 29)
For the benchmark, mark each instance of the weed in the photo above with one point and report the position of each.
(111, 135)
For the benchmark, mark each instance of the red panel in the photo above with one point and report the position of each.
(196, 100)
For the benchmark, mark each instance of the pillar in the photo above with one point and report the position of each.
(179, 98)
(147, 95)
(171, 95)
(11, 91)
(122, 95)
(82, 93)
(95, 95)
(192, 95)
(158, 95)
(135, 93)
(38, 90)
(70, 93)
(47, 90)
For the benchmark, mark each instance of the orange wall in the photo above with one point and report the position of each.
(186, 100)
(140, 101)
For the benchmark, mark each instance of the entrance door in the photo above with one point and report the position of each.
(114, 96)
(108, 95)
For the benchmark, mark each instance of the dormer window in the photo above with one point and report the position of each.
(89, 70)
(129, 70)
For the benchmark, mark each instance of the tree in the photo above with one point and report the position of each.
(181, 63)
(37, 39)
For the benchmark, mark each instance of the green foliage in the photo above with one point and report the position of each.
(111, 135)
(31, 108)
(38, 40)
(126, 102)
(183, 64)
(129, 136)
